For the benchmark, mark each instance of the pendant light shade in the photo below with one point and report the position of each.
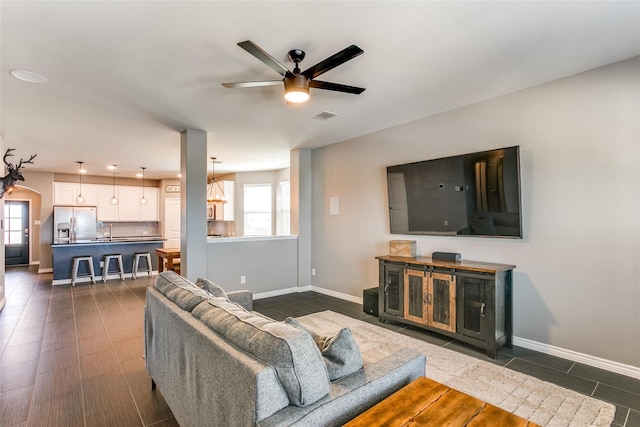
(143, 200)
(114, 199)
(80, 200)
(215, 193)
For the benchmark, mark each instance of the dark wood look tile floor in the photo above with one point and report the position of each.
(74, 356)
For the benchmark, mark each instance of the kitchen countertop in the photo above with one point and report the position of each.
(115, 240)
(220, 239)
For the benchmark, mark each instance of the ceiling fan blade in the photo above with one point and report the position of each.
(336, 86)
(333, 61)
(253, 84)
(263, 56)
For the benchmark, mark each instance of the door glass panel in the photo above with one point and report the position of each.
(393, 289)
(441, 299)
(13, 224)
(415, 295)
(472, 305)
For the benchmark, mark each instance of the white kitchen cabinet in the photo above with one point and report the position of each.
(65, 193)
(150, 211)
(226, 211)
(129, 203)
(127, 209)
(106, 211)
(130, 209)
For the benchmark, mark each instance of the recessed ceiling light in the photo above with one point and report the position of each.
(28, 76)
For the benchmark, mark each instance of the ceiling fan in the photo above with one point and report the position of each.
(296, 83)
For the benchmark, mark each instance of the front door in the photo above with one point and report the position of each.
(16, 232)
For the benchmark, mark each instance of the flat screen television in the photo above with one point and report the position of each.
(476, 194)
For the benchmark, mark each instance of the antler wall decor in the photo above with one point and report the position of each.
(9, 180)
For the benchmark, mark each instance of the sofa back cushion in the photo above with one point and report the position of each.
(179, 290)
(290, 351)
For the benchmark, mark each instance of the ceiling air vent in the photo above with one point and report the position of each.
(325, 115)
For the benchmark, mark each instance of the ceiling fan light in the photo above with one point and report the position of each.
(296, 89)
(296, 96)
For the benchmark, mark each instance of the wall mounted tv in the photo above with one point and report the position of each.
(476, 194)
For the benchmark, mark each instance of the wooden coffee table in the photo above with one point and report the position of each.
(427, 402)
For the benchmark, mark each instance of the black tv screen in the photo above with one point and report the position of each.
(476, 194)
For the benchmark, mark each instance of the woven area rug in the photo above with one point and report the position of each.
(538, 401)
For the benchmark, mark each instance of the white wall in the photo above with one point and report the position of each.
(577, 281)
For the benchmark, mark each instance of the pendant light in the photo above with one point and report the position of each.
(80, 200)
(114, 200)
(215, 193)
(143, 200)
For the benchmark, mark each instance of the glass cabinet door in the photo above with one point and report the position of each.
(472, 305)
(394, 282)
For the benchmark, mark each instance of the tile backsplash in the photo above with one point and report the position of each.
(126, 229)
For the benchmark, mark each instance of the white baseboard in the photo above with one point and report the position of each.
(336, 294)
(275, 293)
(308, 288)
(45, 270)
(596, 362)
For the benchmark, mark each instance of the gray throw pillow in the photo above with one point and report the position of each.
(340, 352)
(290, 351)
(211, 287)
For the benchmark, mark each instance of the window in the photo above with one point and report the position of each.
(13, 224)
(257, 209)
(283, 210)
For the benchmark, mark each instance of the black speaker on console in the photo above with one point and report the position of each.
(446, 256)
(370, 301)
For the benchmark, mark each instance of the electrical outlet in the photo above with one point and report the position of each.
(243, 280)
(313, 271)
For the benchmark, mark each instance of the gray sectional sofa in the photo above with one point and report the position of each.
(216, 362)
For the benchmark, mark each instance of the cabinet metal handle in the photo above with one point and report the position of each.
(386, 289)
(429, 299)
(482, 305)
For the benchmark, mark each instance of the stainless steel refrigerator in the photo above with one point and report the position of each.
(72, 223)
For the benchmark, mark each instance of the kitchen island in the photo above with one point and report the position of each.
(64, 252)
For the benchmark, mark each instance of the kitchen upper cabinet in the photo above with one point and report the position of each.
(129, 207)
(150, 211)
(106, 211)
(65, 193)
(223, 211)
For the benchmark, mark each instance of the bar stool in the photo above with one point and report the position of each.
(135, 269)
(76, 264)
(105, 269)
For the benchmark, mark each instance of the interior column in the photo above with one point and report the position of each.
(300, 164)
(193, 202)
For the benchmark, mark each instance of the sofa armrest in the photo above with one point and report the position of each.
(243, 298)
